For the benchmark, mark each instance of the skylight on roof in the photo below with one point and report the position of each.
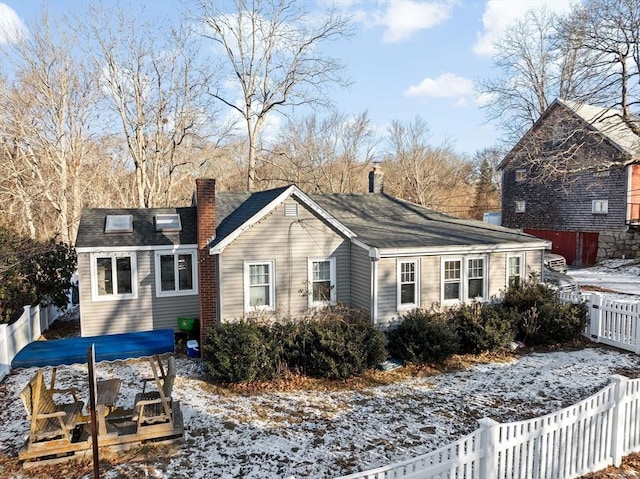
(119, 224)
(168, 223)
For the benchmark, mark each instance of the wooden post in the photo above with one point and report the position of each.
(91, 359)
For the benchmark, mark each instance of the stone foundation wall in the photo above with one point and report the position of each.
(618, 245)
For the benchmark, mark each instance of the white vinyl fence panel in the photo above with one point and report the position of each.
(14, 337)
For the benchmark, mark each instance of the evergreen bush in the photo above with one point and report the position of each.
(423, 337)
(482, 327)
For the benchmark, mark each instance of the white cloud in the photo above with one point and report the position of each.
(403, 18)
(446, 85)
(500, 14)
(11, 27)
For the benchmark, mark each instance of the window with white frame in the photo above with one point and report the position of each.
(113, 276)
(464, 279)
(475, 278)
(521, 206)
(408, 284)
(600, 207)
(521, 175)
(259, 285)
(452, 280)
(176, 273)
(515, 266)
(322, 281)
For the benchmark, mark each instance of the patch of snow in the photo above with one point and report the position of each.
(619, 275)
(329, 434)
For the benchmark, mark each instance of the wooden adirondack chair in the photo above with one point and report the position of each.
(49, 420)
(152, 407)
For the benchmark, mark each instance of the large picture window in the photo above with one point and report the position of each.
(259, 280)
(113, 276)
(408, 280)
(322, 281)
(176, 273)
(464, 279)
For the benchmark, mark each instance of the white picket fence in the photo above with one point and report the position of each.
(582, 438)
(13, 337)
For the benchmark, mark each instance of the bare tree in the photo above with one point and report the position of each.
(435, 177)
(324, 156)
(533, 69)
(47, 118)
(271, 53)
(605, 37)
(153, 82)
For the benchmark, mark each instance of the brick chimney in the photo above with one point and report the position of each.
(207, 264)
(375, 180)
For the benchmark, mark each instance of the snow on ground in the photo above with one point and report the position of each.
(618, 275)
(327, 434)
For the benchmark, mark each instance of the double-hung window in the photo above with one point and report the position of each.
(176, 273)
(322, 281)
(259, 282)
(515, 265)
(113, 276)
(452, 280)
(475, 278)
(408, 284)
(464, 279)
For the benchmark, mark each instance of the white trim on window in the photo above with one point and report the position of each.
(264, 277)
(456, 275)
(521, 206)
(600, 207)
(518, 269)
(521, 175)
(408, 274)
(312, 278)
(178, 254)
(109, 292)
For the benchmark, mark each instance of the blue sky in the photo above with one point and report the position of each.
(408, 58)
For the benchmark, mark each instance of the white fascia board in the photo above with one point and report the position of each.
(461, 249)
(290, 191)
(360, 244)
(124, 249)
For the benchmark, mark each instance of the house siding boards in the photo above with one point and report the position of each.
(143, 313)
(361, 274)
(290, 242)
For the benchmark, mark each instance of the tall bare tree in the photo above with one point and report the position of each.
(435, 177)
(271, 51)
(324, 156)
(47, 120)
(532, 70)
(155, 85)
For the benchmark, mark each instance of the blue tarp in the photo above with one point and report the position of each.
(108, 348)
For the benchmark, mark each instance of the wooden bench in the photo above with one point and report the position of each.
(152, 407)
(48, 419)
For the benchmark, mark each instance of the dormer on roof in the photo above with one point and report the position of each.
(118, 224)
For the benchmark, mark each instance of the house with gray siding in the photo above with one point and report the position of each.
(282, 252)
(574, 179)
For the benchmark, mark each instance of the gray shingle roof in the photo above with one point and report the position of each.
(91, 230)
(378, 220)
(384, 221)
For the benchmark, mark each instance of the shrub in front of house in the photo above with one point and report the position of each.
(333, 343)
(239, 352)
(540, 317)
(423, 337)
(481, 327)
